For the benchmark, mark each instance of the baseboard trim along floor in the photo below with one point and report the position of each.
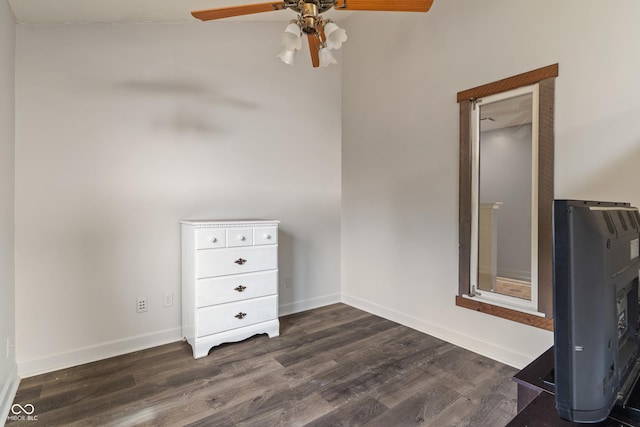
(29, 368)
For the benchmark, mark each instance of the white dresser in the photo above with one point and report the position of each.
(229, 282)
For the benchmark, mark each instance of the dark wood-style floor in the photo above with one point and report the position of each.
(332, 366)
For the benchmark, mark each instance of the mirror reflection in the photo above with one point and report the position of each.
(505, 196)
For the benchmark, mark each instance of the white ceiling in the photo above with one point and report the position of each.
(112, 11)
(506, 113)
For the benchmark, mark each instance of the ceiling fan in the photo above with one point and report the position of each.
(322, 34)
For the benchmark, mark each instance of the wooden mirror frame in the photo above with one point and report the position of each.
(545, 78)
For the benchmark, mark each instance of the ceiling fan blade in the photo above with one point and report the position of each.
(227, 12)
(385, 5)
(314, 48)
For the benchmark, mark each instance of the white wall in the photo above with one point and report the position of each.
(123, 130)
(400, 144)
(8, 369)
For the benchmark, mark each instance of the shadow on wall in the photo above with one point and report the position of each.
(194, 104)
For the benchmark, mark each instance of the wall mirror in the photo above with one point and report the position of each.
(504, 140)
(506, 197)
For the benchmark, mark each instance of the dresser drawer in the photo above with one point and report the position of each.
(222, 262)
(265, 235)
(239, 237)
(236, 287)
(209, 238)
(219, 318)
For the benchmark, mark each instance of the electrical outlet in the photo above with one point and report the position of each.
(288, 283)
(141, 305)
(9, 347)
(168, 299)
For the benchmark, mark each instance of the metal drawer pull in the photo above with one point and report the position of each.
(240, 261)
(240, 288)
(240, 315)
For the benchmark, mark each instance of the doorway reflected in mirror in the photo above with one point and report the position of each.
(505, 196)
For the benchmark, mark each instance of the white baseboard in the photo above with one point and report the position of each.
(308, 304)
(501, 354)
(28, 368)
(8, 392)
(79, 356)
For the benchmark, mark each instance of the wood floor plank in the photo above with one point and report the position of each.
(68, 398)
(334, 340)
(467, 371)
(335, 366)
(355, 413)
(389, 359)
(29, 392)
(333, 320)
(464, 413)
(181, 400)
(413, 382)
(421, 408)
(282, 408)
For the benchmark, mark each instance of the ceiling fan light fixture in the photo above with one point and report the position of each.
(323, 35)
(287, 56)
(335, 35)
(291, 37)
(326, 57)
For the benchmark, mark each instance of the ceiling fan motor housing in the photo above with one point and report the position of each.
(322, 5)
(309, 14)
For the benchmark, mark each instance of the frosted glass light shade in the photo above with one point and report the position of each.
(287, 56)
(335, 35)
(326, 57)
(291, 37)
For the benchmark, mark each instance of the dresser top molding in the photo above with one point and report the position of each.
(205, 223)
